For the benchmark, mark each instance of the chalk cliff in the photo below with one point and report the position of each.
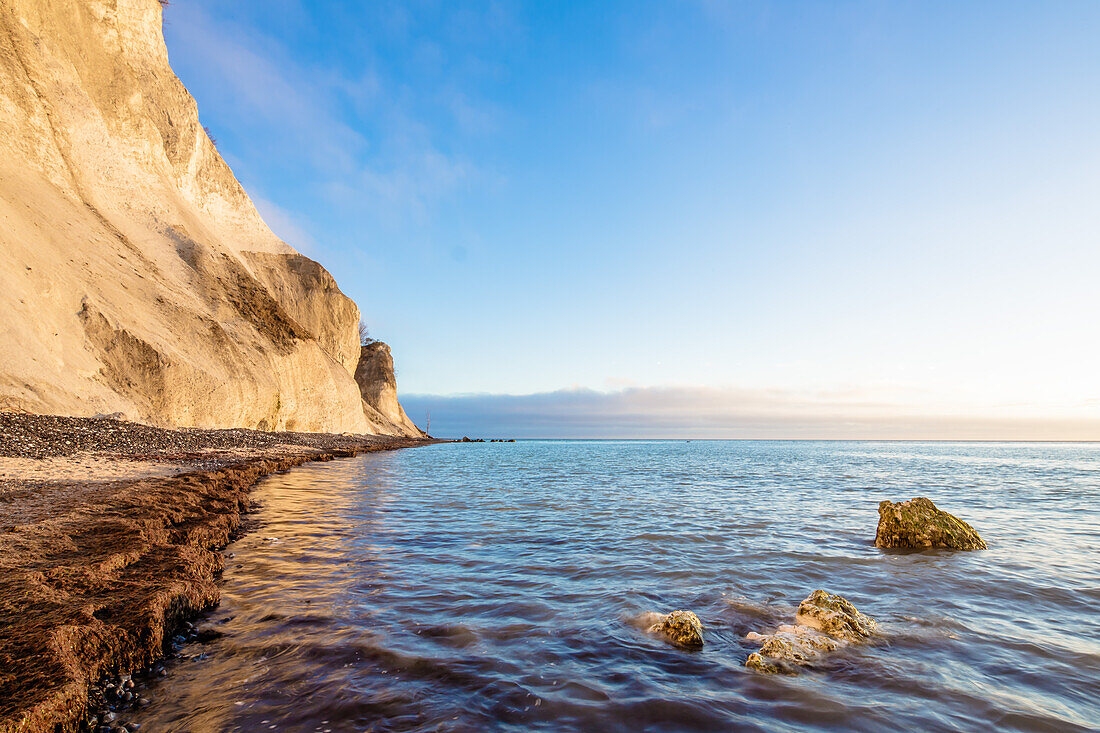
(378, 386)
(136, 274)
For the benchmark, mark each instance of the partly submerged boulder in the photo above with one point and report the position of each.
(824, 623)
(917, 524)
(788, 648)
(834, 615)
(681, 628)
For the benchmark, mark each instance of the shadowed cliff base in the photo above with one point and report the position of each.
(109, 541)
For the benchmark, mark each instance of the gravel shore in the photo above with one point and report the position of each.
(50, 436)
(109, 537)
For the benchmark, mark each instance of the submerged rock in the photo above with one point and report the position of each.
(788, 648)
(681, 628)
(766, 665)
(825, 622)
(798, 644)
(917, 524)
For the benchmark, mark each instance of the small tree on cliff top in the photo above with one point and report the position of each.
(364, 334)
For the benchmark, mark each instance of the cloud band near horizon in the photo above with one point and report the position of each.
(690, 412)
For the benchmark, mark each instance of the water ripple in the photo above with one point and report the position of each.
(507, 587)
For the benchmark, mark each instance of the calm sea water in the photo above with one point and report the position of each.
(498, 587)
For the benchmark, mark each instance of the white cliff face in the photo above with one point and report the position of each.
(136, 274)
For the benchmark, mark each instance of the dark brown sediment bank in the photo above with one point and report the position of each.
(109, 537)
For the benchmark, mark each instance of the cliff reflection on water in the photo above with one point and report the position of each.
(495, 587)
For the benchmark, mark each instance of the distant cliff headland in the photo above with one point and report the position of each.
(138, 277)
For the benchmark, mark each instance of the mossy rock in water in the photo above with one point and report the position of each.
(917, 525)
(825, 621)
(834, 615)
(681, 628)
(785, 651)
(798, 648)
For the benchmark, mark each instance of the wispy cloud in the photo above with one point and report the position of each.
(407, 190)
(355, 140)
(266, 86)
(703, 412)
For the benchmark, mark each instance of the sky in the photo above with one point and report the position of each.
(689, 217)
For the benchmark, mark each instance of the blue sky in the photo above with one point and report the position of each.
(807, 212)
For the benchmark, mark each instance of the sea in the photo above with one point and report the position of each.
(506, 587)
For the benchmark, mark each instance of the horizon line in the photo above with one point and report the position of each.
(784, 440)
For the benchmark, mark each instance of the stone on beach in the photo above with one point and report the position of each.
(918, 524)
(681, 628)
(824, 623)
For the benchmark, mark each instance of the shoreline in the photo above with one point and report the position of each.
(109, 541)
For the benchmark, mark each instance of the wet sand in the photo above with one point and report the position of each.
(109, 537)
